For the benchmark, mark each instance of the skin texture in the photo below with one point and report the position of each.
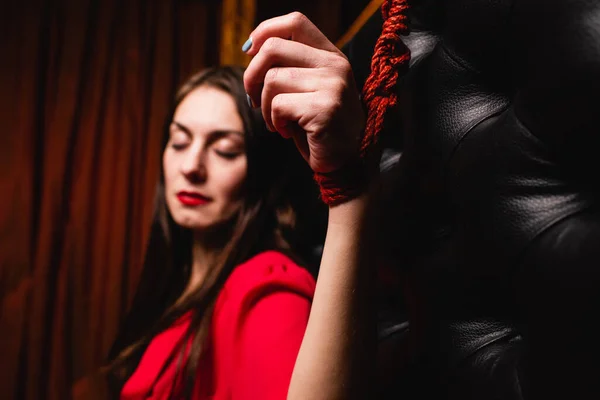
(205, 155)
(305, 88)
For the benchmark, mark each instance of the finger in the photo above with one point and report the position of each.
(281, 53)
(293, 130)
(280, 80)
(286, 110)
(300, 140)
(294, 26)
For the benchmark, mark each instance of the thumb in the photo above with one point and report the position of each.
(299, 136)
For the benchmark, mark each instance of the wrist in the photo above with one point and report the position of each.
(348, 215)
(344, 184)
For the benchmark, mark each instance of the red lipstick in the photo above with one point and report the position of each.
(192, 198)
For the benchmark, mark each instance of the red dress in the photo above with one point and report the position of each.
(257, 328)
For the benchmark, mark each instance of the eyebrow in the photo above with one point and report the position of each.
(214, 135)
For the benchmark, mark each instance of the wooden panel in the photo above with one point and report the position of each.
(237, 21)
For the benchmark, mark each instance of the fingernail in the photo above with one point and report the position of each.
(249, 100)
(247, 45)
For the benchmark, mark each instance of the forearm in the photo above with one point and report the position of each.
(337, 336)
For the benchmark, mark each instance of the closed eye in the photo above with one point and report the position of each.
(178, 146)
(227, 155)
(180, 136)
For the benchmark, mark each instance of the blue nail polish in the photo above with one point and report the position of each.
(247, 45)
(249, 100)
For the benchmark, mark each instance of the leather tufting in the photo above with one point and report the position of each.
(496, 201)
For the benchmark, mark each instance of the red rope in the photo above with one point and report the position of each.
(343, 184)
(390, 58)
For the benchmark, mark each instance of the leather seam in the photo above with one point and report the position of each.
(539, 232)
(487, 344)
(519, 258)
(466, 133)
(458, 60)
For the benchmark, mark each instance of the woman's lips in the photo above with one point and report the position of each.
(192, 198)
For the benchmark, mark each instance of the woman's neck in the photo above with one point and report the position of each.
(205, 250)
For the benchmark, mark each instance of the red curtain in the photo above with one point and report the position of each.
(84, 89)
(85, 86)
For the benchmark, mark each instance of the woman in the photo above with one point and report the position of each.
(220, 271)
(223, 317)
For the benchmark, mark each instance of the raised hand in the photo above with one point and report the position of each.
(306, 91)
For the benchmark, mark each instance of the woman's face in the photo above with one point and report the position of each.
(204, 163)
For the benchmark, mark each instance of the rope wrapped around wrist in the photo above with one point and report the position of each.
(390, 60)
(343, 184)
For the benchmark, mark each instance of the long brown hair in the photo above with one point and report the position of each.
(266, 221)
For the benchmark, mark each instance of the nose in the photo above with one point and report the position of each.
(193, 166)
